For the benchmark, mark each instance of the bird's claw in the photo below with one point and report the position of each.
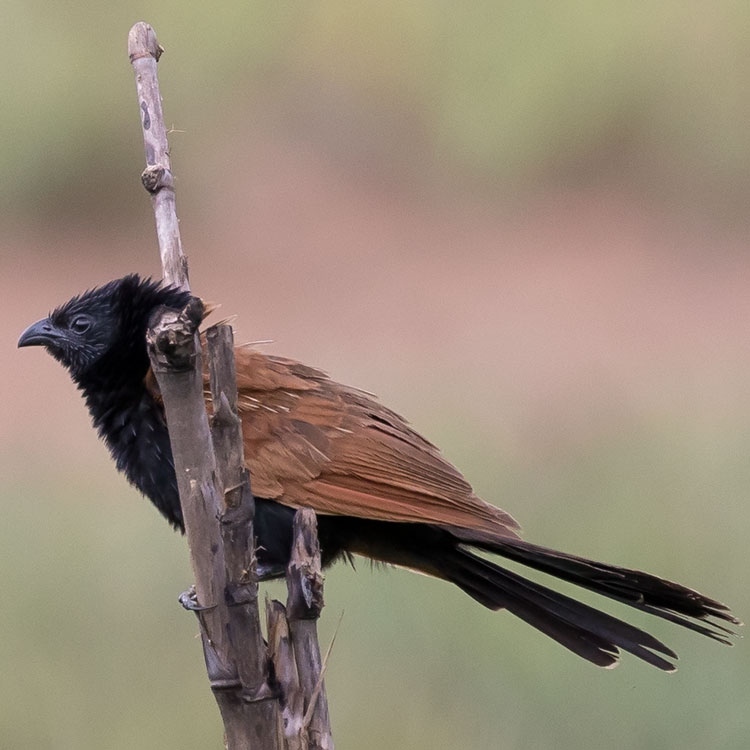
(189, 600)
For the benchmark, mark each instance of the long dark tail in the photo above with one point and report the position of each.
(592, 634)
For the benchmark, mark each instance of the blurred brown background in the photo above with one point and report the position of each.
(524, 225)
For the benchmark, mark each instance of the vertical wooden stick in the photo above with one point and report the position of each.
(236, 520)
(225, 592)
(144, 51)
(292, 716)
(304, 603)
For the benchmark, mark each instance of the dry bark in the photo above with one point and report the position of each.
(225, 590)
(304, 581)
(281, 651)
(216, 498)
(236, 523)
(293, 644)
(144, 51)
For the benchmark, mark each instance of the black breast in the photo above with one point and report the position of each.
(135, 431)
(134, 428)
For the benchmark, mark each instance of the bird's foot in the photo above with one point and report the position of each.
(268, 571)
(189, 600)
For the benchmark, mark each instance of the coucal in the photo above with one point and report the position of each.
(379, 488)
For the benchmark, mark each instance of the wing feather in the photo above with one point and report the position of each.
(310, 441)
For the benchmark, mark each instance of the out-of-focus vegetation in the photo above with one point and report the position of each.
(523, 224)
(511, 93)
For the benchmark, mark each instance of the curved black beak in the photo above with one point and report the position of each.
(41, 333)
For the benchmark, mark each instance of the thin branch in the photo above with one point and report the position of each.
(304, 604)
(175, 355)
(292, 723)
(312, 705)
(236, 519)
(144, 51)
(235, 661)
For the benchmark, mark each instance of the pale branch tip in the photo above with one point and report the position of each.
(144, 52)
(142, 42)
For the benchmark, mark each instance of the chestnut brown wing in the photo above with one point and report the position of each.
(310, 441)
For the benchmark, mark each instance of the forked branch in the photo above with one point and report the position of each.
(217, 502)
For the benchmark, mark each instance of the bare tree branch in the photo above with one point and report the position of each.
(304, 603)
(144, 52)
(175, 354)
(236, 520)
(225, 592)
(217, 503)
(285, 668)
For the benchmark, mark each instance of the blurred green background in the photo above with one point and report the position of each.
(524, 225)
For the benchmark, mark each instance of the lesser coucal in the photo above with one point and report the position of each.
(379, 488)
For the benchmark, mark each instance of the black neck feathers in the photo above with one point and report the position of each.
(126, 416)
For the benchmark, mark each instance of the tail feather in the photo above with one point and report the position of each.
(576, 639)
(640, 590)
(594, 635)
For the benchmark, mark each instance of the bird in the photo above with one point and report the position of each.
(379, 489)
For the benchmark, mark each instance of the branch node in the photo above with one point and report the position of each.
(156, 177)
(142, 42)
(225, 685)
(171, 336)
(304, 575)
(264, 693)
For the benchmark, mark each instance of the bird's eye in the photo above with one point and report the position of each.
(81, 324)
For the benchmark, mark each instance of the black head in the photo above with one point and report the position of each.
(104, 328)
